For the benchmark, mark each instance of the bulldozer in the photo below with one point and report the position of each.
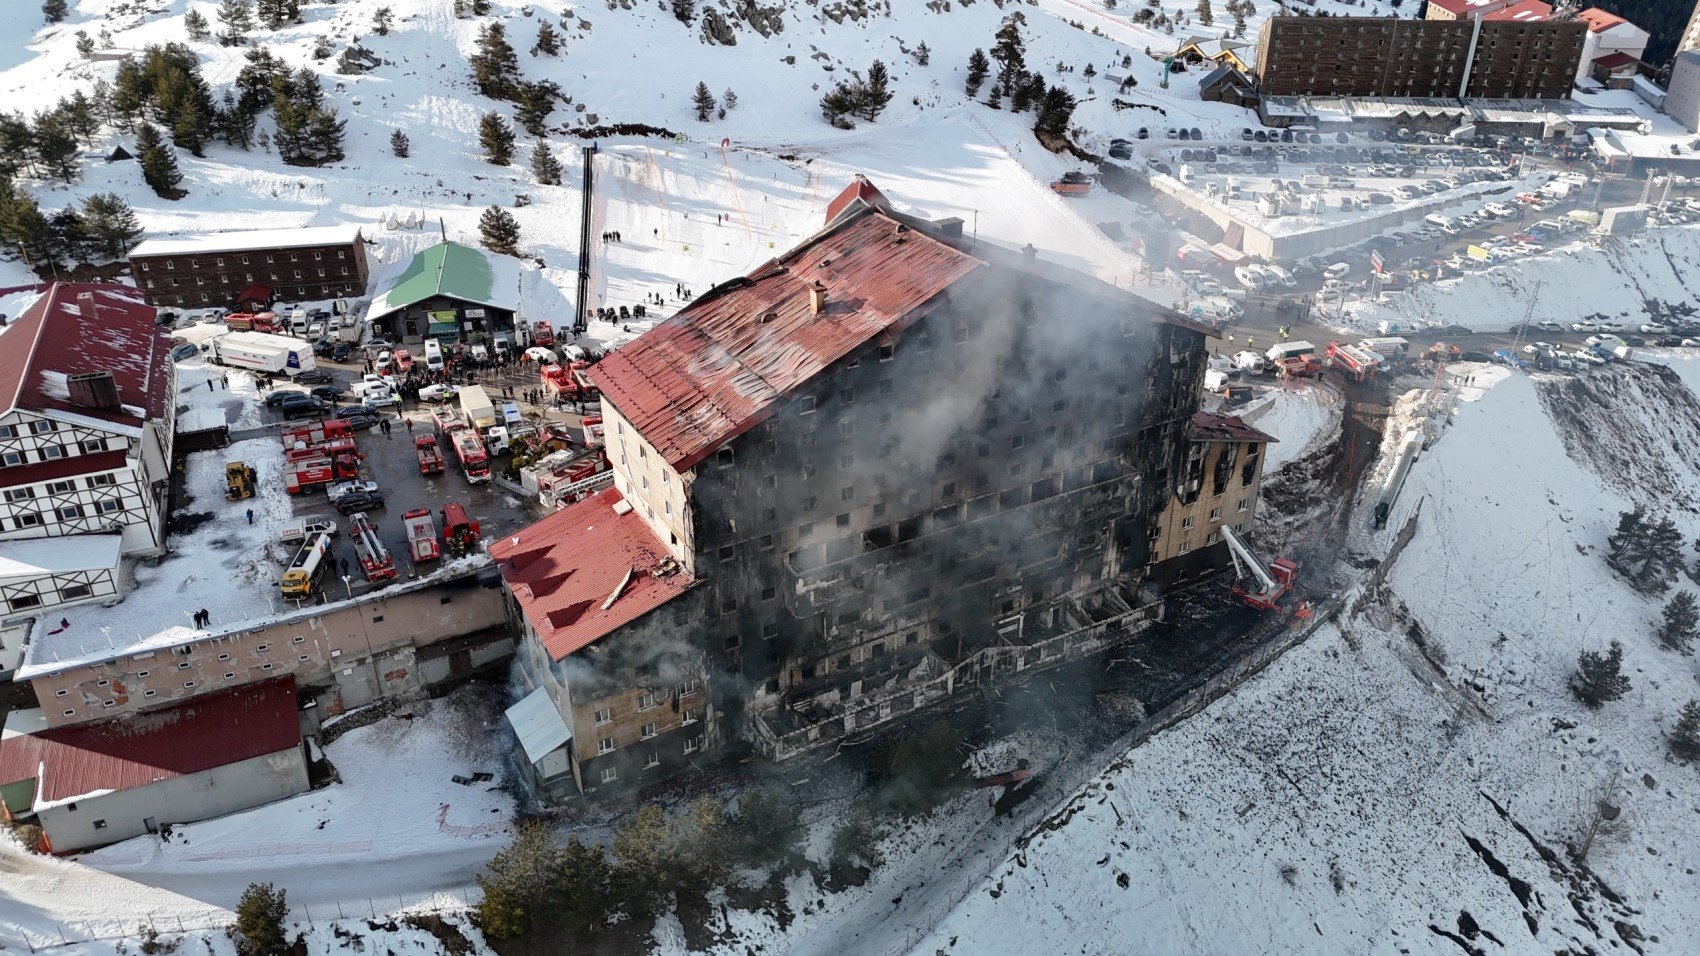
(238, 481)
(1072, 184)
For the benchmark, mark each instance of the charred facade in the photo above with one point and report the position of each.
(943, 465)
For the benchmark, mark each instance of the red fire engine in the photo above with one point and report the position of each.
(570, 478)
(1355, 363)
(1272, 580)
(306, 469)
(253, 322)
(430, 459)
(570, 382)
(421, 535)
(316, 432)
(466, 445)
(1300, 366)
(542, 333)
(375, 560)
(593, 430)
(460, 532)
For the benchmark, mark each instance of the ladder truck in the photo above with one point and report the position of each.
(1272, 580)
(375, 559)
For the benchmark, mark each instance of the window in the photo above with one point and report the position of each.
(143, 673)
(264, 648)
(101, 481)
(1186, 523)
(52, 452)
(61, 487)
(1016, 441)
(109, 506)
(843, 520)
(12, 458)
(183, 650)
(40, 427)
(1215, 514)
(646, 700)
(807, 404)
(887, 351)
(74, 591)
(108, 703)
(188, 683)
(224, 657)
(297, 639)
(266, 667)
(687, 716)
(688, 688)
(24, 601)
(19, 494)
(609, 774)
(847, 492)
(149, 693)
(648, 731)
(68, 713)
(70, 512)
(1243, 505)
(229, 675)
(732, 642)
(690, 743)
(93, 446)
(605, 745)
(1183, 548)
(100, 824)
(183, 666)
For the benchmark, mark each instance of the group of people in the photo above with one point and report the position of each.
(623, 313)
(611, 237)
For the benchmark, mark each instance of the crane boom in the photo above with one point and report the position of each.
(1246, 560)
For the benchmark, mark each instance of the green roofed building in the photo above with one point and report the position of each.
(449, 292)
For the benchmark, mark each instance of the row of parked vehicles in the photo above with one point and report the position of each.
(304, 575)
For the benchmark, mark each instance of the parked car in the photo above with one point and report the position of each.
(308, 407)
(542, 356)
(185, 350)
(1549, 326)
(313, 376)
(341, 352)
(359, 421)
(1585, 325)
(440, 392)
(329, 393)
(1654, 328)
(358, 501)
(344, 488)
(371, 411)
(323, 348)
(277, 398)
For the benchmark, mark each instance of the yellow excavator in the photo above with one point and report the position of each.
(238, 481)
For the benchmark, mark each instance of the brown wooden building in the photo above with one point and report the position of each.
(221, 269)
(1384, 56)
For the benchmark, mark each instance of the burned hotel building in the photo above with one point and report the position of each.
(890, 465)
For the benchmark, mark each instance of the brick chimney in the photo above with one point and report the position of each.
(85, 304)
(817, 297)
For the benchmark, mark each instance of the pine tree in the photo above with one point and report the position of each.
(875, 93)
(383, 20)
(159, 165)
(978, 67)
(195, 23)
(260, 915)
(81, 116)
(499, 231)
(399, 144)
(1021, 95)
(1599, 677)
(545, 166)
(855, 842)
(272, 13)
(497, 139)
(1056, 109)
(838, 105)
(1647, 553)
(548, 41)
(703, 101)
(1681, 621)
(85, 44)
(1010, 51)
(533, 104)
(766, 830)
(235, 125)
(495, 67)
(1685, 739)
(24, 231)
(1205, 15)
(111, 226)
(518, 880)
(923, 55)
(55, 145)
(238, 18)
(729, 100)
(53, 10)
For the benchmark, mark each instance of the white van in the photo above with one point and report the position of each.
(1445, 223)
(298, 322)
(1289, 349)
(1336, 271)
(433, 355)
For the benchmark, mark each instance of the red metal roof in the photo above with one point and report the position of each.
(1209, 426)
(859, 188)
(61, 468)
(129, 752)
(122, 336)
(564, 568)
(1527, 11)
(1598, 21)
(722, 365)
(1616, 61)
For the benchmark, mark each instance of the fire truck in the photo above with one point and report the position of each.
(1299, 366)
(464, 442)
(568, 476)
(1273, 580)
(307, 469)
(593, 430)
(570, 382)
(315, 434)
(253, 322)
(430, 459)
(542, 333)
(460, 532)
(1357, 364)
(374, 559)
(421, 535)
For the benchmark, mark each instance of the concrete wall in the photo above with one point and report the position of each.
(185, 799)
(1682, 99)
(352, 653)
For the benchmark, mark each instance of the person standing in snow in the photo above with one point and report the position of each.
(250, 516)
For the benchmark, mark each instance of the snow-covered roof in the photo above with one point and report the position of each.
(538, 725)
(23, 560)
(249, 239)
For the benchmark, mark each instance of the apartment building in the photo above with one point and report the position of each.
(257, 266)
(1219, 484)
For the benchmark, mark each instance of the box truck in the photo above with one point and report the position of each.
(262, 352)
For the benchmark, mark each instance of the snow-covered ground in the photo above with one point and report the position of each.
(1301, 416)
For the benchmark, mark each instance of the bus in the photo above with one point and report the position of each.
(301, 579)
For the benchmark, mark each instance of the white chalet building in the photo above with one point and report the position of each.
(87, 412)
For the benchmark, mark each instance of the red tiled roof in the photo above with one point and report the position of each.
(1209, 426)
(563, 569)
(1527, 11)
(1616, 61)
(53, 336)
(1598, 21)
(719, 367)
(859, 188)
(129, 752)
(61, 468)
